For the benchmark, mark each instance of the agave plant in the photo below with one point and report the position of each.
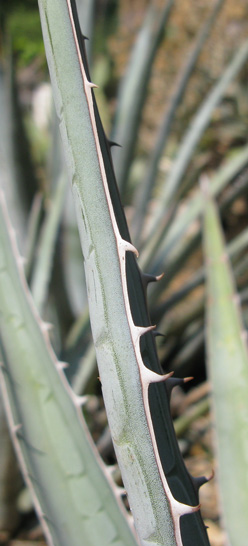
(73, 490)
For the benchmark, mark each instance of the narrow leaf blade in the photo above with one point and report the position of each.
(228, 369)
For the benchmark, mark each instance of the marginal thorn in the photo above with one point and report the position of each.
(93, 85)
(128, 247)
(157, 334)
(198, 482)
(148, 376)
(84, 399)
(46, 326)
(112, 144)
(46, 518)
(187, 379)
(142, 330)
(145, 329)
(211, 476)
(79, 401)
(84, 37)
(173, 382)
(16, 428)
(111, 469)
(147, 279)
(61, 365)
(184, 509)
(244, 336)
(21, 261)
(159, 277)
(193, 509)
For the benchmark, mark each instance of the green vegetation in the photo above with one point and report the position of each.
(183, 186)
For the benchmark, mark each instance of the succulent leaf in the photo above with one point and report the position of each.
(119, 318)
(71, 491)
(228, 370)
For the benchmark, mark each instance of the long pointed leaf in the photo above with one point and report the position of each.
(73, 497)
(162, 497)
(145, 188)
(171, 188)
(134, 87)
(228, 369)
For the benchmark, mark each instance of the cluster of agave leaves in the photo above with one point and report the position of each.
(53, 267)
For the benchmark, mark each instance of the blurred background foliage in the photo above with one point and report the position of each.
(116, 24)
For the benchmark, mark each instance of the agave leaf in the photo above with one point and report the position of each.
(145, 188)
(182, 348)
(86, 11)
(228, 371)
(85, 371)
(33, 226)
(72, 492)
(179, 351)
(10, 479)
(171, 242)
(167, 205)
(71, 255)
(79, 351)
(43, 264)
(134, 87)
(12, 169)
(72, 259)
(236, 246)
(11, 179)
(161, 494)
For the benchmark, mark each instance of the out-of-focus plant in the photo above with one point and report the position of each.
(228, 367)
(73, 491)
